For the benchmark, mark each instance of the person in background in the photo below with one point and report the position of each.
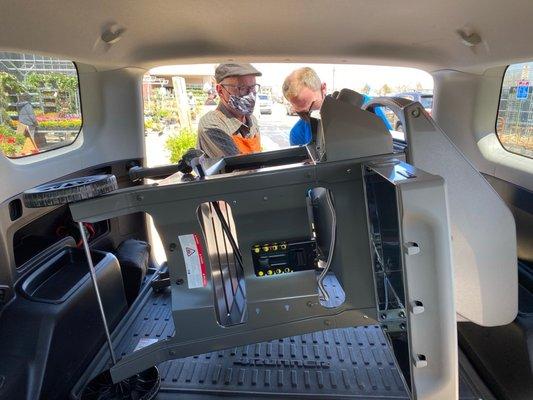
(27, 117)
(231, 129)
(304, 90)
(210, 100)
(191, 100)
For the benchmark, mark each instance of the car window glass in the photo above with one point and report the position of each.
(176, 98)
(514, 124)
(40, 106)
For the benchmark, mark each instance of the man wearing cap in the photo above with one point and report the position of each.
(231, 129)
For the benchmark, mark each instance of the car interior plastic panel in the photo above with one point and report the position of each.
(51, 329)
(483, 228)
(493, 350)
(134, 257)
(413, 272)
(348, 132)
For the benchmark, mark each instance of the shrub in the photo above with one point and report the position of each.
(10, 142)
(151, 125)
(180, 143)
(5, 130)
(56, 80)
(73, 123)
(9, 83)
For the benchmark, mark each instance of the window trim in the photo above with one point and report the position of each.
(77, 135)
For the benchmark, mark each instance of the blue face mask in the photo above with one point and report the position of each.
(243, 105)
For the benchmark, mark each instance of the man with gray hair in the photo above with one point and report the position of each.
(232, 129)
(305, 91)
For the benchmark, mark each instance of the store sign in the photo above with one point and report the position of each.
(522, 90)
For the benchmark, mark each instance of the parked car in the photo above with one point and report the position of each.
(424, 98)
(265, 103)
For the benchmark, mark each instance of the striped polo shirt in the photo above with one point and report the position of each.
(216, 128)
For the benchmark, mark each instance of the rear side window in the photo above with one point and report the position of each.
(40, 106)
(514, 124)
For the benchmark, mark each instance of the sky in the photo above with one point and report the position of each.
(336, 76)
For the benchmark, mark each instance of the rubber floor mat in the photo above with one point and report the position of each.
(337, 363)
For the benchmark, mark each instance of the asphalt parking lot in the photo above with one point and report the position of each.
(275, 128)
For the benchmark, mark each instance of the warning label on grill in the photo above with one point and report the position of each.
(194, 260)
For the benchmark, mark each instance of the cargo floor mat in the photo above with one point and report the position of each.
(338, 363)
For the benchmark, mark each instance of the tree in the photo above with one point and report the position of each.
(401, 88)
(366, 89)
(419, 87)
(385, 90)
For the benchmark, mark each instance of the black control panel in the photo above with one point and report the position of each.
(284, 257)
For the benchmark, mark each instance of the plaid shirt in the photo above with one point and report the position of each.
(216, 128)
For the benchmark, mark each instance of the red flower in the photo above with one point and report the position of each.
(11, 140)
(1, 138)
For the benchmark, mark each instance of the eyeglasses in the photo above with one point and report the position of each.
(306, 115)
(243, 90)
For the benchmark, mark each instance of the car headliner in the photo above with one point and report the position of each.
(413, 33)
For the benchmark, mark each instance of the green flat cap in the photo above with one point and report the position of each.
(224, 70)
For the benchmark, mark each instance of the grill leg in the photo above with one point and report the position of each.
(97, 291)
